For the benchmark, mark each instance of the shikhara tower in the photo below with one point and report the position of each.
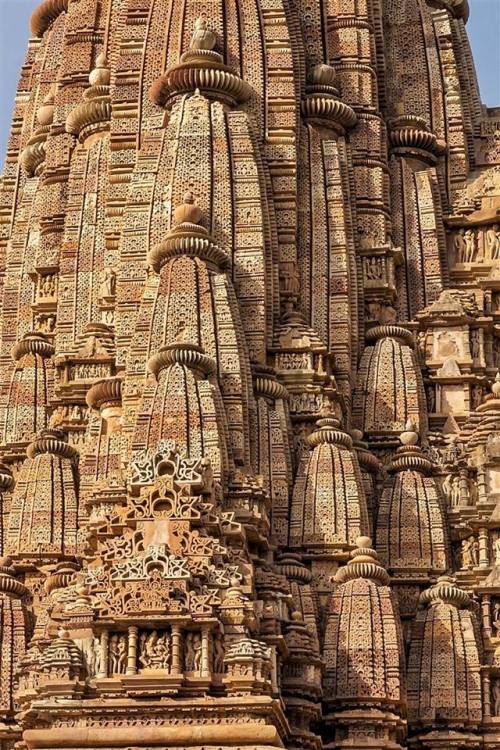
(249, 401)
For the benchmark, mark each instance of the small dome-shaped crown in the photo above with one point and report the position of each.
(45, 113)
(323, 75)
(203, 37)
(187, 211)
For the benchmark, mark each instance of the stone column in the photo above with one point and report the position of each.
(482, 489)
(464, 488)
(103, 666)
(486, 682)
(176, 649)
(486, 615)
(484, 558)
(132, 650)
(205, 652)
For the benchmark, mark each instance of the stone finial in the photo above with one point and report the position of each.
(446, 591)
(188, 212)
(364, 549)
(203, 38)
(495, 388)
(409, 436)
(323, 75)
(45, 113)
(364, 563)
(100, 75)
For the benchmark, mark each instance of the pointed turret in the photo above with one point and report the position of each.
(328, 510)
(92, 116)
(444, 667)
(381, 405)
(44, 514)
(14, 631)
(412, 535)
(182, 401)
(364, 679)
(27, 396)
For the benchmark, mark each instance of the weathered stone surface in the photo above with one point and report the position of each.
(247, 248)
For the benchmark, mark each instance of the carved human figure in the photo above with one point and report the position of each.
(163, 651)
(289, 278)
(47, 285)
(459, 246)
(495, 692)
(422, 345)
(476, 396)
(475, 552)
(473, 491)
(447, 487)
(218, 651)
(492, 236)
(431, 398)
(475, 343)
(192, 658)
(470, 245)
(122, 654)
(455, 492)
(94, 657)
(495, 618)
(447, 346)
(374, 268)
(497, 550)
(470, 552)
(144, 651)
(118, 654)
(154, 650)
(108, 284)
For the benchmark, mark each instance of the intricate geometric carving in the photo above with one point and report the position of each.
(205, 214)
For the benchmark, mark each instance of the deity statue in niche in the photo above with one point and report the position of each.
(218, 651)
(154, 650)
(107, 288)
(192, 654)
(495, 694)
(492, 241)
(117, 653)
(470, 552)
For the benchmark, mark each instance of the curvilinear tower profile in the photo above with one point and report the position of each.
(249, 387)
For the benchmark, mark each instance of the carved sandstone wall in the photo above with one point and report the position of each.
(250, 321)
